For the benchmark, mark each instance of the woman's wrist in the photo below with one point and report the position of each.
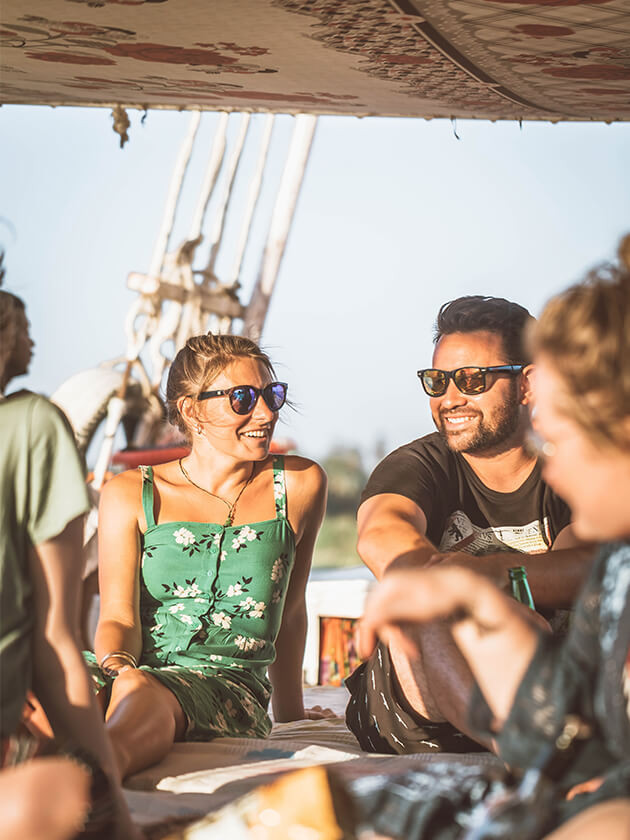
(117, 661)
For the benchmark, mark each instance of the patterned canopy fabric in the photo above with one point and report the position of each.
(490, 59)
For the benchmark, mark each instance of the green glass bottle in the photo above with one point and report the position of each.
(519, 586)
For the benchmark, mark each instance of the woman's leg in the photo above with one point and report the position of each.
(608, 821)
(143, 719)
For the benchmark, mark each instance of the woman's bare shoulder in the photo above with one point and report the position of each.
(300, 464)
(123, 487)
(305, 475)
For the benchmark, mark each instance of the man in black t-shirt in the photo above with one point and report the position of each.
(463, 513)
(470, 493)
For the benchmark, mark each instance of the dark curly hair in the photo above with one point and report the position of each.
(472, 313)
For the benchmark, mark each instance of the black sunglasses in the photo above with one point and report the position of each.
(243, 398)
(469, 380)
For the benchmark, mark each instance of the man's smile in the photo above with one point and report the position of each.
(457, 419)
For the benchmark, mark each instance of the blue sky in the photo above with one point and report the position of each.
(395, 217)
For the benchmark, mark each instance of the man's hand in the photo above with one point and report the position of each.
(538, 621)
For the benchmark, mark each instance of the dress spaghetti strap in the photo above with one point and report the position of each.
(147, 495)
(279, 487)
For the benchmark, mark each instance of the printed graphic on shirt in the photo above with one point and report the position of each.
(460, 534)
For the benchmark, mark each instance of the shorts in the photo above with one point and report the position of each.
(217, 702)
(382, 721)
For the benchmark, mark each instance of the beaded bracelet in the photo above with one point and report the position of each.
(127, 658)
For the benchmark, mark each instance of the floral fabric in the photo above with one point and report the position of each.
(211, 602)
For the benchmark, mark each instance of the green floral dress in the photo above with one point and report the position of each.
(211, 602)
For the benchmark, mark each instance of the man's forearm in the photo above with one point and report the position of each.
(382, 550)
(555, 578)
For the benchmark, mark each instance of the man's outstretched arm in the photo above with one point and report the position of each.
(391, 532)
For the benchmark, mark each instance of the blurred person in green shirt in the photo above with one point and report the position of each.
(42, 502)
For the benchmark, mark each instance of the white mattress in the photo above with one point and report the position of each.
(196, 778)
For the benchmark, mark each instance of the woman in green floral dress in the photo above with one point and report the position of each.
(203, 566)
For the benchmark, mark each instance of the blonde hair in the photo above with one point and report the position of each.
(10, 305)
(199, 363)
(585, 334)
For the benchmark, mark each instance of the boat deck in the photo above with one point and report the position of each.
(197, 778)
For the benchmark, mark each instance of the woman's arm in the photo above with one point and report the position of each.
(494, 636)
(60, 679)
(119, 562)
(306, 493)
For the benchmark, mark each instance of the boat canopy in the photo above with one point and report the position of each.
(490, 59)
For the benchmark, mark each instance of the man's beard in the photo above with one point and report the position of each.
(490, 433)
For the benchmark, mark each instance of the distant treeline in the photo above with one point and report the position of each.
(346, 480)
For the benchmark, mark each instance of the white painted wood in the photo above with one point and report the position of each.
(213, 167)
(216, 233)
(280, 226)
(252, 199)
(174, 192)
(115, 411)
(338, 598)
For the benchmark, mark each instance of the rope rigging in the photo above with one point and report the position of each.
(174, 299)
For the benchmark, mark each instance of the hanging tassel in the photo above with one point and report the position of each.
(121, 123)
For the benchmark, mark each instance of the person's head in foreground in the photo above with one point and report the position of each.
(222, 393)
(582, 398)
(478, 384)
(16, 345)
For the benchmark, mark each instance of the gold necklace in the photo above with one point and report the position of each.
(230, 506)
